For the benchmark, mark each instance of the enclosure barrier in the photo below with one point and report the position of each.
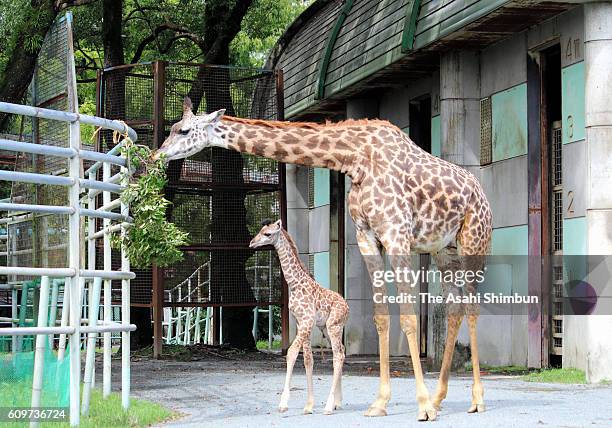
(76, 274)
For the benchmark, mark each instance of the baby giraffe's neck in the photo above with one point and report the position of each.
(293, 268)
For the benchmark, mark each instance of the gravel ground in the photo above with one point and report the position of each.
(235, 394)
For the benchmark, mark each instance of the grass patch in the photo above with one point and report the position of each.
(263, 344)
(507, 370)
(109, 413)
(570, 376)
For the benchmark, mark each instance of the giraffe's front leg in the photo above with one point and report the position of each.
(292, 354)
(399, 252)
(368, 246)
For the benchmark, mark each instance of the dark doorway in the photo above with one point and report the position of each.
(552, 200)
(420, 122)
(420, 133)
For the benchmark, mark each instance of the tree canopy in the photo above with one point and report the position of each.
(112, 32)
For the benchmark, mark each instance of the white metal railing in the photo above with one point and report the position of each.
(75, 274)
(183, 324)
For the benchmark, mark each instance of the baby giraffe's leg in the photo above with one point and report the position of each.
(308, 364)
(334, 400)
(292, 354)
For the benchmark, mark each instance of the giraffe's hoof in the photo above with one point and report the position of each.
(375, 411)
(328, 412)
(429, 414)
(283, 409)
(337, 406)
(308, 410)
(477, 408)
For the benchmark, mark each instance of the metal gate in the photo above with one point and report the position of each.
(556, 181)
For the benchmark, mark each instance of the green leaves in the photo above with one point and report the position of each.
(151, 239)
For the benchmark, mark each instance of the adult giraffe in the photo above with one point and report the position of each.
(401, 198)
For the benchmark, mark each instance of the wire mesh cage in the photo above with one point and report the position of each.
(219, 197)
(37, 239)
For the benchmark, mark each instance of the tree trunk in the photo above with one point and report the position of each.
(228, 274)
(17, 74)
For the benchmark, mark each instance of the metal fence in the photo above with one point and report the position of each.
(219, 197)
(52, 230)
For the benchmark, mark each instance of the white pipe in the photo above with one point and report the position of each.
(53, 314)
(108, 230)
(111, 274)
(61, 347)
(41, 343)
(28, 271)
(75, 248)
(94, 305)
(14, 315)
(125, 316)
(29, 331)
(106, 367)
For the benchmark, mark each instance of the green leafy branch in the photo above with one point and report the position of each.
(151, 239)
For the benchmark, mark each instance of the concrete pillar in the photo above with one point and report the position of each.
(598, 122)
(297, 217)
(460, 107)
(460, 144)
(360, 335)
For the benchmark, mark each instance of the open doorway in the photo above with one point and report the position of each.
(552, 198)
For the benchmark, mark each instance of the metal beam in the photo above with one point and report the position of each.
(329, 48)
(412, 13)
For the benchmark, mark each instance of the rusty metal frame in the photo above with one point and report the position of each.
(158, 124)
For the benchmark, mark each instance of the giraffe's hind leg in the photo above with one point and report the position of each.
(334, 400)
(475, 239)
(448, 260)
(308, 365)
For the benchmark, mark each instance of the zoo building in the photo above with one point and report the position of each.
(515, 92)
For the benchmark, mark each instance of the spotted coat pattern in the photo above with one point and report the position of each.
(402, 199)
(311, 305)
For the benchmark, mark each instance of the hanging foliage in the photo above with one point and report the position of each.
(151, 239)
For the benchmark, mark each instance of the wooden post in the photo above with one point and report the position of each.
(159, 91)
(158, 310)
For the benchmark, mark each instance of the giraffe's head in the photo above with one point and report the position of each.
(191, 134)
(268, 235)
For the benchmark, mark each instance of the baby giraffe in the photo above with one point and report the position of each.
(310, 304)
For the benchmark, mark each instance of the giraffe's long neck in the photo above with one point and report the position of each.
(325, 147)
(292, 266)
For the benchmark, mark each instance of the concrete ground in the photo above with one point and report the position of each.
(235, 394)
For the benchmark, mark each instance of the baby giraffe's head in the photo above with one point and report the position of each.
(268, 235)
(192, 134)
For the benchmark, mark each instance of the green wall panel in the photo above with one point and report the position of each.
(574, 244)
(574, 236)
(321, 268)
(435, 136)
(321, 187)
(510, 241)
(572, 102)
(509, 127)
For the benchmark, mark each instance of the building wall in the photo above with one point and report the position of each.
(502, 76)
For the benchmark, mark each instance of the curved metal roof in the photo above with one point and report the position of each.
(335, 44)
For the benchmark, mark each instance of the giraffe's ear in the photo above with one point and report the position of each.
(279, 224)
(215, 116)
(187, 105)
